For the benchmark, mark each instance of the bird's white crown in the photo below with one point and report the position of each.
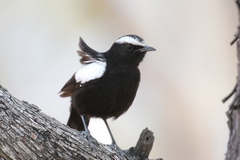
(135, 40)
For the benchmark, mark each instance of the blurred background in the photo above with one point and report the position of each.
(182, 83)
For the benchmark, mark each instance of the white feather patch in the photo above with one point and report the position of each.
(131, 40)
(90, 72)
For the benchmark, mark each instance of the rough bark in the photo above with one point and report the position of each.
(233, 150)
(27, 133)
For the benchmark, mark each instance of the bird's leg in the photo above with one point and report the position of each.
(113, 140)
(84, 124)
(114, 144)
(87, 133)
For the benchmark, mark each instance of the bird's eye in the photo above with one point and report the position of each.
(129, 47)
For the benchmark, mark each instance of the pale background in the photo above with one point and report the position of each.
(183, 82)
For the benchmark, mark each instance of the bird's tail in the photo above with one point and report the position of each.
(75, 121)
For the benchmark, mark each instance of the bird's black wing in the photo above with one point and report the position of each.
(95, 64)
(69, 87)
(72, 85)
(89, 55)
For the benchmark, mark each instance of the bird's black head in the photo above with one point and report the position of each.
(128, 49)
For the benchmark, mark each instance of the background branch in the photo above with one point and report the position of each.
(233, 150)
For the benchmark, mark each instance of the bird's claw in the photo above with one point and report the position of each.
(90, 139)
(119, 150)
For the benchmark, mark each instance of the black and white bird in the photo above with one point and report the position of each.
(107, 84)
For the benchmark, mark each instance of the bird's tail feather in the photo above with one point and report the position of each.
(75, 121)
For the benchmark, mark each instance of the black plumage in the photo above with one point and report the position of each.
(106, 86)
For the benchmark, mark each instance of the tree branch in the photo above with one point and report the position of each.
(233, 150)
(27, 133)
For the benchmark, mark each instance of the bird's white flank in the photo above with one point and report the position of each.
(130, 40)
(90, 72)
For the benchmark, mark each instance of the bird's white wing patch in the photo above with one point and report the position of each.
(90, 72)
(131, 40)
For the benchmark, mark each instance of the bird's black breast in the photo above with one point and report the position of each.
(109, 96)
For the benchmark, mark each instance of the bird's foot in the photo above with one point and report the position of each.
(119, 150)
(92, 141)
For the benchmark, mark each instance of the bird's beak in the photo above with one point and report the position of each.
(146, 49)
